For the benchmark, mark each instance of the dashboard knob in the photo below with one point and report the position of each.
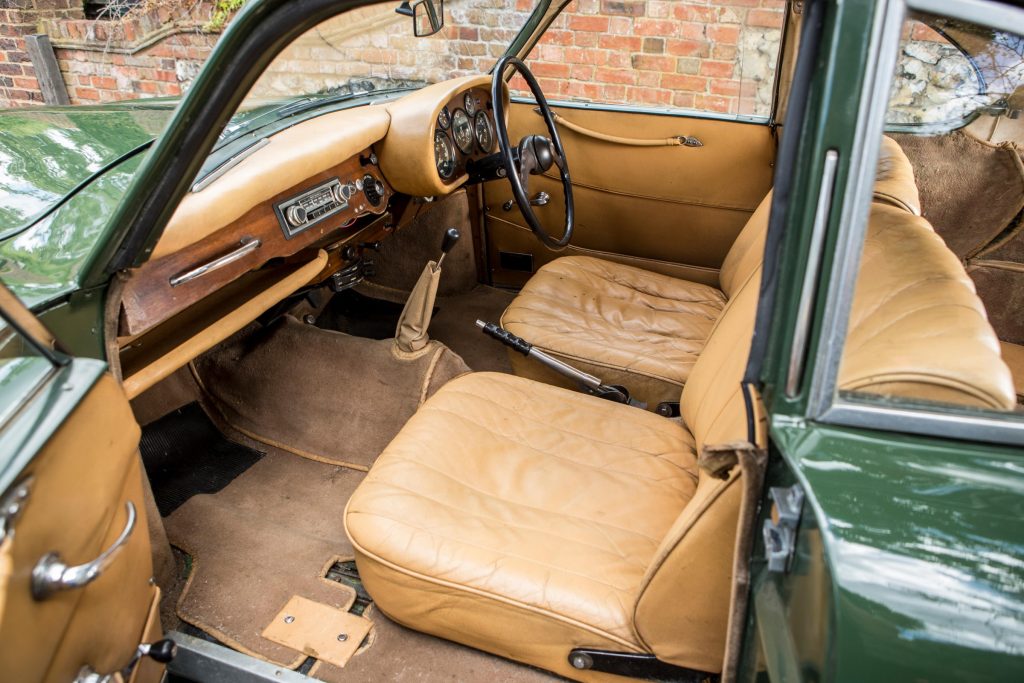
(296, 215)
(373, 189)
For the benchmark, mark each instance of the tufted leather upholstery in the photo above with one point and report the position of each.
(627, 325)
(917, 328)
(894, 182)
(643, 330)
(527, 520)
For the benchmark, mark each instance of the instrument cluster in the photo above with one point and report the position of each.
(464, 130)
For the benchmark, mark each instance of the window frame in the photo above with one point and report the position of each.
(825, 403)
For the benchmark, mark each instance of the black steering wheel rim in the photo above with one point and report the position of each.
(519, 180)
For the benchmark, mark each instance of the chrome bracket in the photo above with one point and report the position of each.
(12, 505)
(780, 530)
(689, 141)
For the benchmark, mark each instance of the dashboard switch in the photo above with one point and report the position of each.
(296, 215)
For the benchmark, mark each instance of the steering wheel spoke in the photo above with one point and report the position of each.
(533, 155)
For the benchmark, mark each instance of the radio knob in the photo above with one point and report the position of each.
(296, 215)
(373, 189)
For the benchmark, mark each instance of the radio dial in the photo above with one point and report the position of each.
(296, 215)
(373, 189)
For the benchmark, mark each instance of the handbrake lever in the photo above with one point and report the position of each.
(589, 383)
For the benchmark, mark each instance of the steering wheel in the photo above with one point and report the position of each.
(534, 155)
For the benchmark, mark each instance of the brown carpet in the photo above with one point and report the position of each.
(270, 534)
(399, 654)
(454, 325)
(403, 255)
(970, 190)
(318, 393)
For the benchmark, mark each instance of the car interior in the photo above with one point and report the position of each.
(346, 356)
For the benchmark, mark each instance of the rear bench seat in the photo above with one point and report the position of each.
(645, 330)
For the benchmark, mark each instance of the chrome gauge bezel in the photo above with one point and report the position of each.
(471, 142)
(441, 137)
(444, 119)
(469, 103)
(481, 116)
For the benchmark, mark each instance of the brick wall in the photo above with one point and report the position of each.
(146, 54)
(710, 55)
(18, 18)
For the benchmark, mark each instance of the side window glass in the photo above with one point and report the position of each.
(935, 319)
(716, 57)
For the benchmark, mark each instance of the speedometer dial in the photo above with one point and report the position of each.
(444, 155)
(462, 131)
(482, 128)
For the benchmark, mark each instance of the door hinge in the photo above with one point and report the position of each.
(780, 529)
(12, 505)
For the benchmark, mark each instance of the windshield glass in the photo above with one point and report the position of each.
(373, 50)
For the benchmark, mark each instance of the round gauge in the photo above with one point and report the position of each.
(470, 103)
(444, 118)
(482, 128)
(462, 131)
(444, 155)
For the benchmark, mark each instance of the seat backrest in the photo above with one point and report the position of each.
(894, 184)
(917, 327)
(917, 330)
(894, 180)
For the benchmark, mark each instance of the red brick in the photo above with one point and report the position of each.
(654, 63)
(597, 24)
(550, 70)
(655, 27)
(687, 48)
(719, 69)
(724, 87)
(612, 42)
(730, 35)
(765, 18)
(684, 82)
(87, 93)
(687, 12)
(622, 76)
(633, 8)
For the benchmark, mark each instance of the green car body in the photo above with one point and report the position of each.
(909, 560)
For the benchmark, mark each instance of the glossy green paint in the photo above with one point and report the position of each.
(924, 544)
(46, 153)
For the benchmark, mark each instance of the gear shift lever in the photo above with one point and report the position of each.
(451, 236)
(411, 335)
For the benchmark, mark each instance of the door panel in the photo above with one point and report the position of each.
(80, 483)
(681, 206)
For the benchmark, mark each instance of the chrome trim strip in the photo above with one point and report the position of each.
(988, 14)
(229, 164)
(926, 422)
(809, 289)
(884, 44)
(201, 660)
(249, 245)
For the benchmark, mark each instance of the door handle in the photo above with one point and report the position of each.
(247, 246)
(52, 575)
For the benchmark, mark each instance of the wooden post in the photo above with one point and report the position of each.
(51, 82)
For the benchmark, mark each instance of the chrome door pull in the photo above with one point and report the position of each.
(52, 575)
(248, 245)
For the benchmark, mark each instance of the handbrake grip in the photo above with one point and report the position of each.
(592, 384)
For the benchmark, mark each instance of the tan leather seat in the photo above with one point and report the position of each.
(644, 330)
(527, 520)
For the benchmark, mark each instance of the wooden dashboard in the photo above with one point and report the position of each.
(172, 283)
(290, 214)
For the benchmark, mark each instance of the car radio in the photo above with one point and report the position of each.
(304, 210)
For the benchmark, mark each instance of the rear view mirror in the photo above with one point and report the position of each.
(427, 16)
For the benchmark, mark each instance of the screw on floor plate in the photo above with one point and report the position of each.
(289, 619)
(342, 637)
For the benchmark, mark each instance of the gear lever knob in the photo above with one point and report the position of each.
(451, 236)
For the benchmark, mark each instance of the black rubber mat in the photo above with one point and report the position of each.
(361, 316)
(185, 454)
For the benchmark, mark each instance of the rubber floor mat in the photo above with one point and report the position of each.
(185, 454)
